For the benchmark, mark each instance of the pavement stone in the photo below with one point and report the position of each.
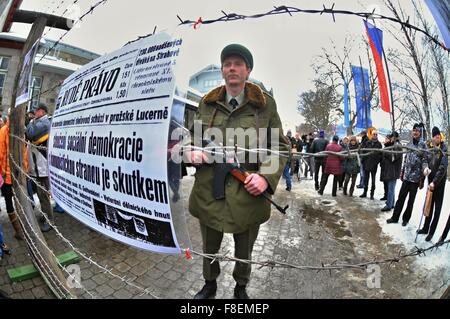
(299, 237)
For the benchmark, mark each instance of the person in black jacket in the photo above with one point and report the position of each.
(319, 145)
(391, 167)
(370, 164)
(438, 163)
(364, 140)
(309, 161)
(351, 167)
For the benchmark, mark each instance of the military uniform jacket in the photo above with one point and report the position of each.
(239, 209)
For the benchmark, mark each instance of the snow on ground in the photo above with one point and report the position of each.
(406, 235)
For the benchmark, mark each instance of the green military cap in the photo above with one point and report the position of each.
(237, 49)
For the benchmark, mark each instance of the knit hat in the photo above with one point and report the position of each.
(435, 131)
(322, 133)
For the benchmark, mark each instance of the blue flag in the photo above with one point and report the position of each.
(346, 112)
(362, 94)
(441, 14)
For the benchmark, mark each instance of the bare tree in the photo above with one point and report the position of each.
(440, 66)
(413, 67)
(319, 105)
(333, 68)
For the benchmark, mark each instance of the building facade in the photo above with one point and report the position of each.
(48, 71)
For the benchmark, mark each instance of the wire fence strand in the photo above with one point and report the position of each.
(77, 250)
(228, 17)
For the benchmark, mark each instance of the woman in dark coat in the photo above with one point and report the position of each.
(332, 166)
(351, 167)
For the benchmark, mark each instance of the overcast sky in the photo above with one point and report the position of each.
(283, 47)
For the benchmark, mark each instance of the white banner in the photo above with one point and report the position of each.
(108, 144)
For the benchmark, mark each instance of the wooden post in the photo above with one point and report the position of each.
(45, 261)
(446, 294)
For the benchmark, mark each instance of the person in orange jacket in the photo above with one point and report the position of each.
(7, 178)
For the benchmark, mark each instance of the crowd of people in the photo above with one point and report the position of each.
(423, 160)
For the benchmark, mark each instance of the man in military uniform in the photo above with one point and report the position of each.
(237, 104)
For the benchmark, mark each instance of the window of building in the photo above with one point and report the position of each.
(4, 63)
(35, 91)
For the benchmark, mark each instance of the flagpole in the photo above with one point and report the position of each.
(389, 77)
(364, 90)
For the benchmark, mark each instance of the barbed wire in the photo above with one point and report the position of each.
(62, 14)
(224, 257)
(69, 243)
(45, 268)
(356, 153)
(45, 244)
(142, 37)
(28, 143)
(416, 251)
(349, 153)
(42, 93)
(93, 7)
(36, 182)
(227, 17)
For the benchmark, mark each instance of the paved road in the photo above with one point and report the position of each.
(315, 230)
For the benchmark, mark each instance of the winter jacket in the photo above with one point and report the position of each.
(391, 164)
(239, 209)
(351, 166)
(4, 155)
(371, 161)
(299, 145)
(37, 133)
(333, 162)
(319, 145)
(438, 163)
(415, 162)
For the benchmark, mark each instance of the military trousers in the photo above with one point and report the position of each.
(243, 247)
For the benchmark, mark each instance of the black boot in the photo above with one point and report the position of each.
(345, 190)
(363, 195)
(208, 291)
(240, 293)
(423, 231)
(391, 221)
(371, 195)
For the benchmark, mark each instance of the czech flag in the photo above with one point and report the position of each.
(375, 36)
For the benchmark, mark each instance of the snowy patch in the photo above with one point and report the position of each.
(434, 260)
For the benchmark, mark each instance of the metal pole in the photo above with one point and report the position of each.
(365, 98)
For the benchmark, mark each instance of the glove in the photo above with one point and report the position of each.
(421, 182)
(431, 186)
